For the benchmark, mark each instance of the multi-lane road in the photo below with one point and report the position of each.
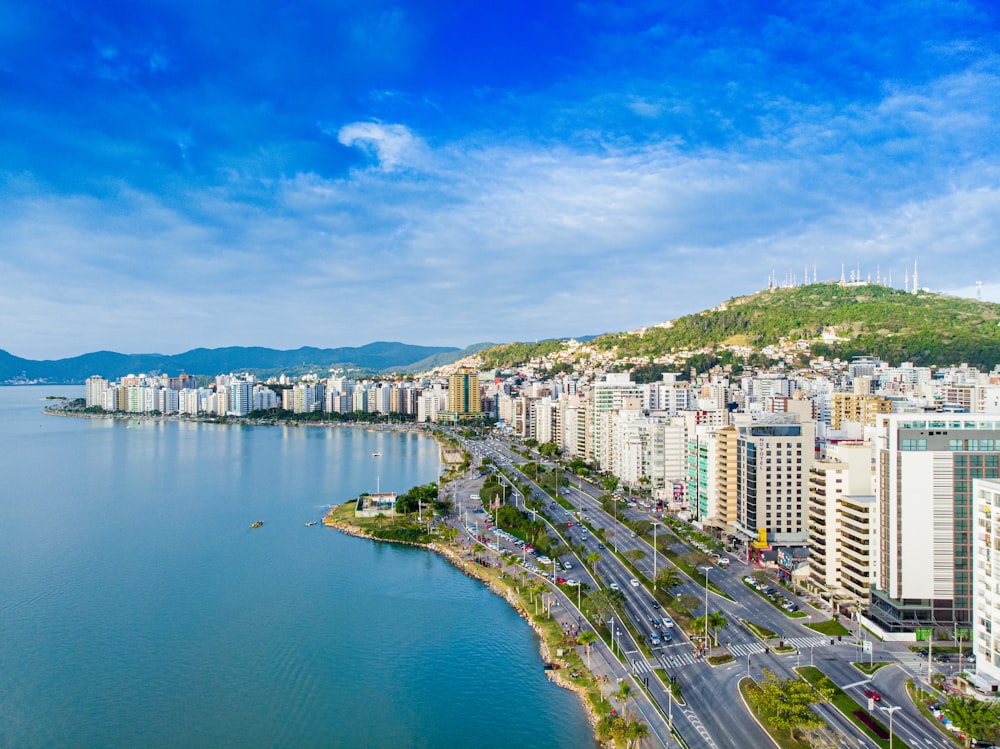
(713, 715)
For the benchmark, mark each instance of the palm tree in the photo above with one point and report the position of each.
(622, 695)
(587, 638)
(592, 559)
(636, 731)
(716, 621)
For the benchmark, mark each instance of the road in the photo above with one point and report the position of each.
(713, 715)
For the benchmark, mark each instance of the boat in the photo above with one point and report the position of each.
(376, 455)
(258, 524)
(311, 523)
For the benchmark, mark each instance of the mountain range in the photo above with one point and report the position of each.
(375, 357)
(834, 320)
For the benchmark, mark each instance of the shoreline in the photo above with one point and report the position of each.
(240, 421)
(473, 571)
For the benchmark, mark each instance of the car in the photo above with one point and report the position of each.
(668, 622)
(655, 639)
(573, 582)
(634, 583)
(600, 546)
(569, 524)
(567, 566)
(614, 586)
(654, 603)
(873, 695)
(560, 581)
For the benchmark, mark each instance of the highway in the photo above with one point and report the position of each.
(713, 715)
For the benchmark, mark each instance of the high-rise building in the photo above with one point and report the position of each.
(463, 393)
(773, 455)
(842, 522)
(924, 472)
(986, 589)
(606, 396)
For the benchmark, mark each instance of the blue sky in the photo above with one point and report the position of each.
(180, 174)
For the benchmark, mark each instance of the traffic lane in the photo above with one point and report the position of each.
(889, 682)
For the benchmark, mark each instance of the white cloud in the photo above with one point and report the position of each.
(393, 145)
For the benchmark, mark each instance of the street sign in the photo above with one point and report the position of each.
(866, 646)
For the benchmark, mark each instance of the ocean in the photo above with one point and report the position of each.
(138, 608)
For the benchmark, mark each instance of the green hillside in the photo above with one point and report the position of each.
(898, 326)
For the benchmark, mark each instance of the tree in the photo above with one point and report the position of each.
(634, 555)
(610, 483)
(587, 638)
(716, 621)
(602, 604)
(622, 695)
(592, 559)
(548, 449)
(788, 701)
(668, 578)
(979, 719)
(636, 731)
(689, 602)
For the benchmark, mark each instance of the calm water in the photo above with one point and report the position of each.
(138, 608)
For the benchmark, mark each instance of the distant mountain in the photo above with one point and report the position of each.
(440, 360)
(373, 357)
(838, 321)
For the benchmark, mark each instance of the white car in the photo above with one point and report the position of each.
(668, 622)
(614, 586)
(634, 583)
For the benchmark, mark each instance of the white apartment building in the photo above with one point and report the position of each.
(986, 588)
(842, 522)
(608, 395)
(925, 467)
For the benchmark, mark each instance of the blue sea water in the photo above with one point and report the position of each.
(139, 609)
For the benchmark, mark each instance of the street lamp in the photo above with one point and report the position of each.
(890, 710)
(705, 570)
(654, 524)
(615, 529)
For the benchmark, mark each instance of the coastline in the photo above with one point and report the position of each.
(503, 591)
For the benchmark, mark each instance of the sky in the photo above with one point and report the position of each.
(181, 174)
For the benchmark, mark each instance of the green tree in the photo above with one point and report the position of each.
(689, 602)
(788, 702)
(634, 555)
(592, 559)
(548, 449)
(587, 638)
(635, 732)
(978, 719)
(610, 483)
(668, 578)
(717, 621)
(622, 695)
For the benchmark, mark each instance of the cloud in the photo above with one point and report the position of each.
(394, 146)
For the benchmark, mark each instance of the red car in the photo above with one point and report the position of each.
(873, 695)
(560, 581)
(570, 524)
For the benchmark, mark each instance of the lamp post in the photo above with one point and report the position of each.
(705, 570)
(890, 710)
(654, 524)
(615, 529)
(613, 628)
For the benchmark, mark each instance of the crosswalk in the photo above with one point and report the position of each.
(799, 643)
(677, 658)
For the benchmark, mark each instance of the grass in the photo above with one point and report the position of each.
(869, 669)
(848, 707)
(718, 660)
(762, 632)
(780, 736)
(830, 628)
(696, 576)
(917, 700)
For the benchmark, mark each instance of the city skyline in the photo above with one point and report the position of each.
(334, 176)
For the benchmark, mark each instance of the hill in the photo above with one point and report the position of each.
(838, 321)
(372, 357)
